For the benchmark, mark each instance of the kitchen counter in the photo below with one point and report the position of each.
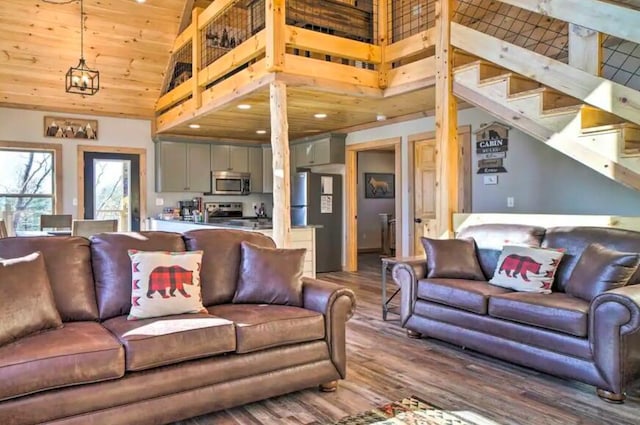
(301, 236)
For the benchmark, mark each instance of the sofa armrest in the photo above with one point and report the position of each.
(406, 275)
(337, 304)
(614, 335)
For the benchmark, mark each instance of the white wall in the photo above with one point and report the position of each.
(539, 178)
(369, 209)
(19, 125)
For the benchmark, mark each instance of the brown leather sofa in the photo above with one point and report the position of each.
(597, 343)
(101, 368)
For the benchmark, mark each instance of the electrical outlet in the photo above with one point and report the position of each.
(510, 202)
(159, 202)
(74, 202)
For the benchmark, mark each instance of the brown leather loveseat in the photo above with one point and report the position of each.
(595, 342)
(101, 368)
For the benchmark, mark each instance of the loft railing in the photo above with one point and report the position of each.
(372, 43)
(621, 61)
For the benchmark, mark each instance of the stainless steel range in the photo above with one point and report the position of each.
(222, 211)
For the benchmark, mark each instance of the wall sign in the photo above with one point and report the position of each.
(492, 145)
(70, 128)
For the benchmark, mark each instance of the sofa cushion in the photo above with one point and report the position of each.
(68, 261)
(526, 269)
(26, 301)
(270, 275)
(557, 311)
(221, 260)
(490, 238)
(452, 259)
(574, 240)
(165, 283)
(471, 295)
(112, 266)
(167, 340)
(79, 353)
(601, 269)
(261, 326)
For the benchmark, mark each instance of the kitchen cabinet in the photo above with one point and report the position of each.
(230, 158)
(255, 168)
(328, 150)
(267, 170)
(182, 167)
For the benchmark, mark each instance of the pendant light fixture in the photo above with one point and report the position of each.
(81, 79)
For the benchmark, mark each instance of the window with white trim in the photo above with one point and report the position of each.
(27, 186)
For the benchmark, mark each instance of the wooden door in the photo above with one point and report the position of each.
(199, 167)
(425, 192)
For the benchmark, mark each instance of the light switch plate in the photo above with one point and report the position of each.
(490, 179)
(159, 202)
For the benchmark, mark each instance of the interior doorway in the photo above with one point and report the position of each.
(112, 185)
(373, 187)
(423, 158)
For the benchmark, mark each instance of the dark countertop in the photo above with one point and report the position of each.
(235, 224)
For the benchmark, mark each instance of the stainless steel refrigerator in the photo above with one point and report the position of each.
(316, 199)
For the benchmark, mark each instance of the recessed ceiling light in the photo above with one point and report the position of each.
(194, 125)
(244, 106)
(320, 116)
(261, 131)
(381, 117)
(140, 1)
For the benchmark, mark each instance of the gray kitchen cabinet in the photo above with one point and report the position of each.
(230, 158)
(255, 168)
(182, 167)
(267, 170)
(198, 167)
(328, 150)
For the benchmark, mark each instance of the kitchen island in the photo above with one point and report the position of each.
(301, 237)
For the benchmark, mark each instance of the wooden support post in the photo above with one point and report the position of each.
(196, 58)
(281, 175)
(275, 20)
(383, 42)
(585, 51)
(447, 145)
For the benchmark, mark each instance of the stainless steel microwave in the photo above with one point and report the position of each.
(230, 183)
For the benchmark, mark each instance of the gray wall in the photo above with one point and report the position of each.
(368, 209)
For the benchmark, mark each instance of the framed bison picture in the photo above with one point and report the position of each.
(379, 185)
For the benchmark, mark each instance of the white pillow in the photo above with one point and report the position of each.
(526, 269)
(165, 283)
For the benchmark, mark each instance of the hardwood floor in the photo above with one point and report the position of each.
(385, 365)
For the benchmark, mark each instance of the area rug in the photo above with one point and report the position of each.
(414, 411)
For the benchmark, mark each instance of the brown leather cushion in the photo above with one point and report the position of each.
(26, 300)
(557, 311)
(265, 326)
(68, 261)
(601, 269)
(452, 259)
(79, 353)
(471, 295)
(270, 275)
(167, 340)
(112, 266)
(221, 260)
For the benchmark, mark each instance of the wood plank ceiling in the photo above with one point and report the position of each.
(129, 43)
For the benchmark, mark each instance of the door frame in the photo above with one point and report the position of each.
(351, 195)
(464, 177)
(141, 152)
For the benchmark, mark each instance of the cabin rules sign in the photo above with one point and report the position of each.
(492, 145)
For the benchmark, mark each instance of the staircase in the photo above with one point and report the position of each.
(598, 139)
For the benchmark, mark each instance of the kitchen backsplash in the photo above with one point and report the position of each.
(171, 200)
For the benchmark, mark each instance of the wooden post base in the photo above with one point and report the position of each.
(610, 397)
(329, 387)
(413, 334)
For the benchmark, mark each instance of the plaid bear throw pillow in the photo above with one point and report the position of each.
(165, 283)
